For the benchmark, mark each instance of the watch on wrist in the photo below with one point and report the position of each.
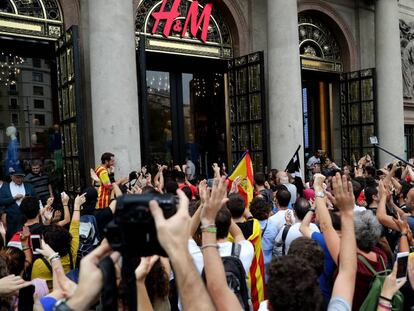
(62, 306)
(319, 194)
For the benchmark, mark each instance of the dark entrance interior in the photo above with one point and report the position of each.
(182, 103)
(318, 108)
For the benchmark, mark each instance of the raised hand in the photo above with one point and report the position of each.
(173, 233)
(344, 194)
(214, 201)
(145, 267)
(11, 284)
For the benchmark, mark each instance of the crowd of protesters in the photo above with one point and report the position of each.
(328, 244)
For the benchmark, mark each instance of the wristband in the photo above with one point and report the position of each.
(209, 230)
(387, 299)
(207, 226)
(385, 306)
(62, 306)
(54, 256)
(25, 248)
(404, 234)
(209, 245)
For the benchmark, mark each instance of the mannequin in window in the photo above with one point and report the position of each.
(12, 162)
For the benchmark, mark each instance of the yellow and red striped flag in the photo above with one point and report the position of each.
(244, 170)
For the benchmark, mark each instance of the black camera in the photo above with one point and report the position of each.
(132, 231)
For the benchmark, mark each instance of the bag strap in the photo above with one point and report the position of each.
(264, 230)
(47, 264)
(71, 260)
(284, 235)
(367, 264)
(235, 250)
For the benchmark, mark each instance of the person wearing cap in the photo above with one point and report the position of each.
(11, 196)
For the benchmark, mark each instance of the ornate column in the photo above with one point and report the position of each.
(113, 78)
(389, 79)
(285, 90)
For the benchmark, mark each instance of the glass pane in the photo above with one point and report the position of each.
(355, 137)
(367, 89)
(241, 81)
(254, 78)
(70, 64)
(256, 107)
(72, 106)
(344, 114)
(242, 109)
(74, 139)
(159, 115)
(232, 110)
(67, 138)
(367, 132)
(343, 93)
(367, 112)
(257, 158)
(354, 114)
(353, 90)
(76, 176)
(244, 137)
(63, 68)
(257, 136)
(69, 176)
(65, 103)
(234, 140)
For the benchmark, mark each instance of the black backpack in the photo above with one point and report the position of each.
(236, 277)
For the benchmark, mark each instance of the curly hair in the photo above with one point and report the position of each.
(58, 238)
(14, 258)
(309, 250)
(157, 282)
(367, 230)
(260, 209)
(293, 285)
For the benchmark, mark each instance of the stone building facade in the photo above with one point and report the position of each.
(266, 75)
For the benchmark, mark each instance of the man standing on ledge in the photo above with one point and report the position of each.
(11, 196)
(105, 173)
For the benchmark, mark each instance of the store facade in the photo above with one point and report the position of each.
(161, 81)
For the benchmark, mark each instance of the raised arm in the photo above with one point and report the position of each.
(304, 226)
(222, 296)
(325, 221)
(173, 234)
(345, 282)
(145, 266)
(66, 212)
(383, 218)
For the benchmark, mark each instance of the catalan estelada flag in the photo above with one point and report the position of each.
(244, 170)
(252, 232)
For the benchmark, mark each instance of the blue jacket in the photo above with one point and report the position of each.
(14, 215)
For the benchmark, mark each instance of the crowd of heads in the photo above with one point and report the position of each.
(302, 244)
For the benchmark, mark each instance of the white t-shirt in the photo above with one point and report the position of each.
(16, 189)
(293, 234)
(278, 220)
(246, 253)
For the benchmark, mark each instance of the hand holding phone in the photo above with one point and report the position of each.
(35, 243)
(402, 262)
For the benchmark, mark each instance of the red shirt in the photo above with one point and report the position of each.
(193, 188)
(364, 277)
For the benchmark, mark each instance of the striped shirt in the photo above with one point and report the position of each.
(105, 187)
(40, 183)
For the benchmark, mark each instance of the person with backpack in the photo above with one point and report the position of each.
(228, 251)
(64, 242)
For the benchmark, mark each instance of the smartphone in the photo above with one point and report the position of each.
(35, 241)
(402, 261)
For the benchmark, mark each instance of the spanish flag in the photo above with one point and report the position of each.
(244, 170)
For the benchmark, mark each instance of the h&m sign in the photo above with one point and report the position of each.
(197, 24)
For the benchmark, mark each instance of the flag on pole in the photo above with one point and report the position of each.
(293, 168)
(244, 170)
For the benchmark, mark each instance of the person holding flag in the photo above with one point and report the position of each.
(238, 204)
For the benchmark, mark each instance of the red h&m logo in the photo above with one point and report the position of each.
(192, 21)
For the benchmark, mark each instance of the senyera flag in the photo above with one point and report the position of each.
(244, 170)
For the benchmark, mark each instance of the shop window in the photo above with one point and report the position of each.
(14, 119)
(40, 119)
(39, 104)
(13, 103)
(38, 90)
(37, 76)
(37, 62)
